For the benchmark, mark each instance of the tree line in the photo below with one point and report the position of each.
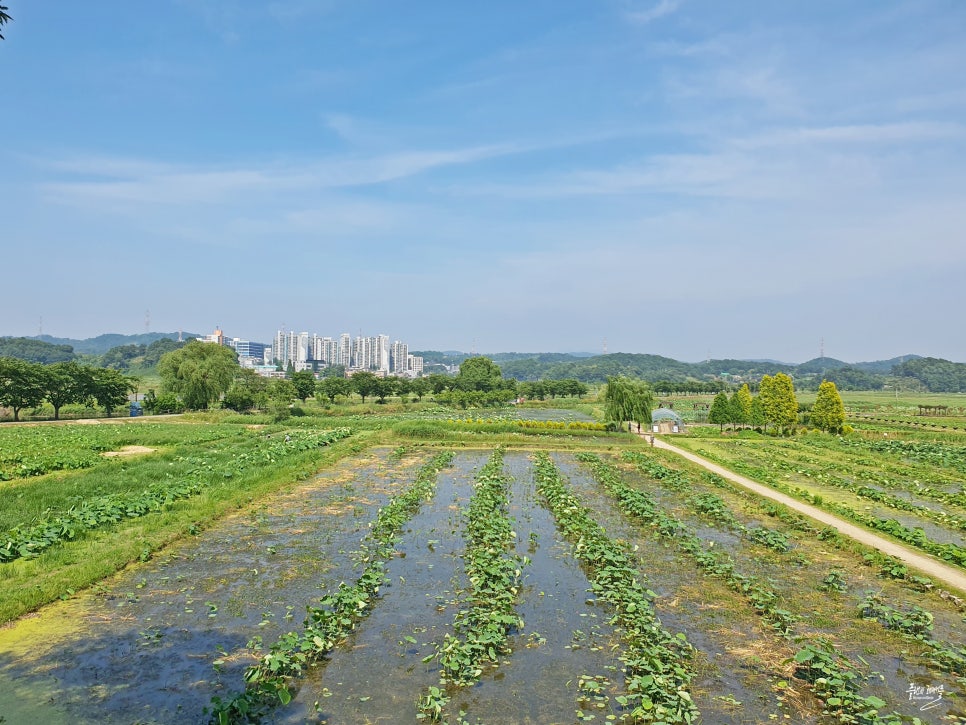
(776, 406)
(26, 385)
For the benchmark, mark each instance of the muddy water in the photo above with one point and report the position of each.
(141, 647)
(377, 675)
(735, 662)
(565, 637)
(860, 641)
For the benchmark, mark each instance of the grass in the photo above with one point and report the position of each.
(27, 584)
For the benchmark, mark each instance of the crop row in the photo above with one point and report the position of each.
(828, 475)
(334, 617)
(833, 679)
(950, 552)
(709, 504)
(30, 541)
(657, 665)
(917, 624)
(866, 469)
(487, 609)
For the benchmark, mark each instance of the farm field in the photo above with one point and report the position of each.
(912, 490)
(474, 570)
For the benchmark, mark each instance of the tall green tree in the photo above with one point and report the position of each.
(720, 413)
(385, 387)
(828, 413)
(200, 372)
(304, 381)
(778, 401)
(65, 383)
(21, 385)
(419, 387)
(109, 388)
(479, 373)
(365, 383)
(331, 387)
(741, 404)
(757, 419)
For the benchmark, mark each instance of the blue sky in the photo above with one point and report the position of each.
(679, 177)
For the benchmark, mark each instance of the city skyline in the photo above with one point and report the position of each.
(675, 176)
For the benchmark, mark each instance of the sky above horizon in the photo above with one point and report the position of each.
(686, 178)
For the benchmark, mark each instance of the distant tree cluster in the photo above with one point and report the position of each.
(138, 357)
(542, 389)
(35, 351)
(776, 405)
(937, 375)
(25, 385)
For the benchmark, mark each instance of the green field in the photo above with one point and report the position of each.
(512, 566)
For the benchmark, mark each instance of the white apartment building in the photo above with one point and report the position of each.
(374, 353)
(398, 358)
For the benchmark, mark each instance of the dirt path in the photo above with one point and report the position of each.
(933, 568)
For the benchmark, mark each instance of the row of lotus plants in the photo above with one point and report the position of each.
(832, 678)
(487, 608)
(271, 680)
(93, 513)
(888, 566)
(916, 623)
(658, 665)
(915, 536)
(708, 504)
(829, 472)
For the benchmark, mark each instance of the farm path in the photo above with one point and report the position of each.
(933, 568)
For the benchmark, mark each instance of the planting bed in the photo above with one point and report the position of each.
(502, 586)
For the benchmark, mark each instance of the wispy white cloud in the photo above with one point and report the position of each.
(871, 133)
(663, 8)
(147, 182)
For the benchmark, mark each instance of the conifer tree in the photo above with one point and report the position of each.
(720, 412)
(828, 413)
(742, 402)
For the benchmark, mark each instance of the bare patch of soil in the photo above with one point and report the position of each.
(128, 451)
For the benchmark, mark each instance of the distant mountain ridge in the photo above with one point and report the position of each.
(102, 343)
(932, 374)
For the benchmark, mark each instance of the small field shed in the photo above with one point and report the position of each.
(664, 420)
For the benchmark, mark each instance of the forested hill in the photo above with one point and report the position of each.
(102, 343)
(35, 351)
(918, 373)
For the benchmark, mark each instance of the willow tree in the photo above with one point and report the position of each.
(627, 400)
(200, 372)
